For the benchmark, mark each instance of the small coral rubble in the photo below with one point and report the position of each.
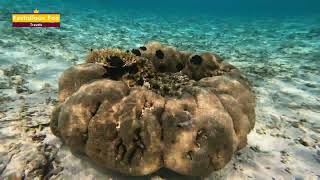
(138, 111)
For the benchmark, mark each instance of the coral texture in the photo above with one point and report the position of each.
(152, 107)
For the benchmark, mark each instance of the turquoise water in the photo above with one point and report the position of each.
(281, 40)
(276, 45)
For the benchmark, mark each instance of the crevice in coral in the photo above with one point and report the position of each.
(190, 155)
(210, 164)
(179, 67)
(94, 112)
(130, 154)
(161, 157)
(226, 110)
(196, 101)
(118, 144)
(160, 120)
(141, 113)
(85, 135)
(201, 133)
(138, 139)
(120, 149)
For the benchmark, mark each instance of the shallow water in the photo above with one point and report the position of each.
(277, 46)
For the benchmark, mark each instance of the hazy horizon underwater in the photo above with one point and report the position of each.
(276, 45)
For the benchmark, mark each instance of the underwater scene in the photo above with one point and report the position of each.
(160, 89)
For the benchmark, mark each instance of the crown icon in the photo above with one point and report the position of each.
(36, 11)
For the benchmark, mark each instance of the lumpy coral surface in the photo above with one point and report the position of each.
(139, 110)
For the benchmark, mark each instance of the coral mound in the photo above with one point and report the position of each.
(140, 110)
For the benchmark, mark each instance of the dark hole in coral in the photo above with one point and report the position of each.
(162, 68)
(155, 86)
(185, 107)
(133, 69)
(114, 73)
(115, 61)
(166, 88)
(127, 51)
(196, 59)
(140, 82)
(198, 144)
(143, 48)
(179, 67)
(117, 125)
(150, 76)
(201, 135)
(189, 155)
(136, 52)
(159, 54)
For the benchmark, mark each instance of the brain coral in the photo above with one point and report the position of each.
(138, 111)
